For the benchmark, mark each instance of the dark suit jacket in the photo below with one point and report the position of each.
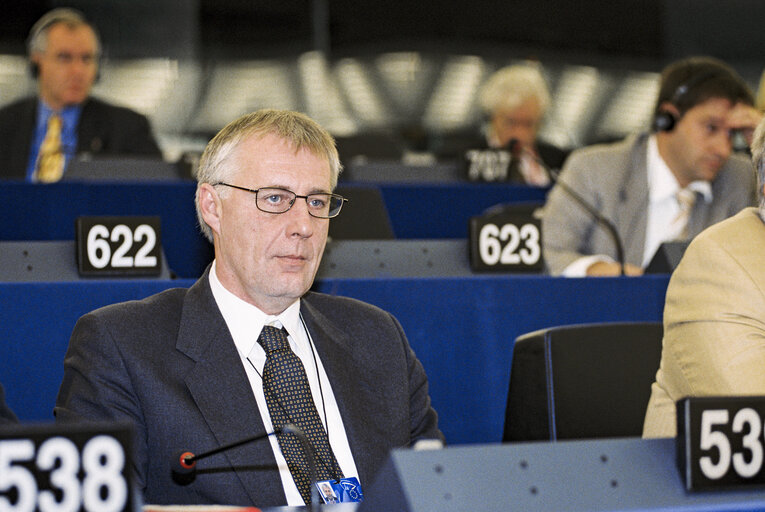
(169, 365)
(103, 129)
(6, 414)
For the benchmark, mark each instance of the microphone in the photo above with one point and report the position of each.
(184, 462)
(516, 148)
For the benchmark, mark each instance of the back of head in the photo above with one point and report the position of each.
(38, 35)
(692, 81)
(301, 131)
(758, 158)
(512, 85)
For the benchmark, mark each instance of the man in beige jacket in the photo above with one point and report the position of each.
(714, 318)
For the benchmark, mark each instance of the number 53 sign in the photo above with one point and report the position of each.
(720, 441)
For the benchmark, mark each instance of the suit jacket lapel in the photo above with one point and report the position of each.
(89, 133)
(222, 392)
(632, 204)
(355, 399)
(699, 218)
(22, 140)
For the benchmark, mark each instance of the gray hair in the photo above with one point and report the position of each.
(511, 86)
(72, 18)
(758, 158)
(215, 165)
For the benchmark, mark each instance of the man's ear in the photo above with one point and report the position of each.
(210, 205)
(670, 108)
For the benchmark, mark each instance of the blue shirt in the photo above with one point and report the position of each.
(70, 116)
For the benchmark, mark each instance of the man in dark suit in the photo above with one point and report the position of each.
(64, 50)
(6, 414)
(190, 368)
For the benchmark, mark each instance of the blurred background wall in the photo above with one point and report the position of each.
(402, 73)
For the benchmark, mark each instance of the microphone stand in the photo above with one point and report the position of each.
(517, 150)
(186, 461)
(604, 222)
(289, 428)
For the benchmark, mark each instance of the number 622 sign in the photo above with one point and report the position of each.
(114, 246)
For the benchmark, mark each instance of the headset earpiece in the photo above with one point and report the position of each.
(664, 122)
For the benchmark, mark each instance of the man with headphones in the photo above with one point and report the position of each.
(63, 120)
(665, 185)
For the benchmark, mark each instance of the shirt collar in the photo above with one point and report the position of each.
(69, 115)
(244, 320)
(662, 183)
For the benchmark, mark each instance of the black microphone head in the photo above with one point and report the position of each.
(514, 147)
(183, 471)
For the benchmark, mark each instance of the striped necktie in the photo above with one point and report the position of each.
(50, 159)
(686, 198)
(289, 400)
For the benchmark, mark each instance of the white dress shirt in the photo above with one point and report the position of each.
(245, 322)
(662, 202)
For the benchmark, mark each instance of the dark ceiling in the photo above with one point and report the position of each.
(610, 29)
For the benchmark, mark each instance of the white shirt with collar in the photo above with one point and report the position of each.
(662, 201)
(245, 322)
(662, 208)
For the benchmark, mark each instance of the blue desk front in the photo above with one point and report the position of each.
(48, 212)
(461, 328)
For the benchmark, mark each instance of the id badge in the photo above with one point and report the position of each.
(345, 490)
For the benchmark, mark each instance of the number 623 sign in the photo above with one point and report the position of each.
(508, 240)
(721, 441)
(65, 469)
(114, 246)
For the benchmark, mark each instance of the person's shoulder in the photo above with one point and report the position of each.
(101, 106)
(18, 107)
(346, 310)
(162, 303)
(736, 177)
(609, 149)
(738, 164)
(336, 305)
(742, 225)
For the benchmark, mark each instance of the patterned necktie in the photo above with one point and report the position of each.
(50, 159)
(685, 200)
(289, 400)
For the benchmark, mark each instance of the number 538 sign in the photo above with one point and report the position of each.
(65, 469)
(507, 240)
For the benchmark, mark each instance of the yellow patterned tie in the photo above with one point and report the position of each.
(289, 400)
(50, 159)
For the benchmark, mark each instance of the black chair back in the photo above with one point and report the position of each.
(582, 381)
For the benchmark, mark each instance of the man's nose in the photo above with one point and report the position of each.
(301, 222)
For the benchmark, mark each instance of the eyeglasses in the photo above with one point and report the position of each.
(279, 200)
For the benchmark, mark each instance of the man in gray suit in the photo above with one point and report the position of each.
(187, 368)
(655, 187)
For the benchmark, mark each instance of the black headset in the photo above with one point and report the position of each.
(62, 14)
(666, 121)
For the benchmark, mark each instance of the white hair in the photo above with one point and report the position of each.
(511, 86)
